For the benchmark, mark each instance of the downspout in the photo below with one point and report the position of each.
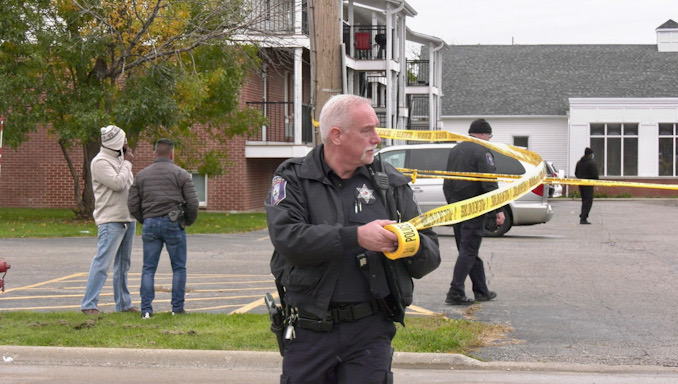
(438, 84)
(389, 54)
(312, 57)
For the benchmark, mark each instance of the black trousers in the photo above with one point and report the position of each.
(586, 192)
(468, 236)
(355, 352)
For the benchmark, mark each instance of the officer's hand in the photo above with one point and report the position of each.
(500, 218)
(373, 237)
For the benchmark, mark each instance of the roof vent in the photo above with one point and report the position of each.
(667, 37)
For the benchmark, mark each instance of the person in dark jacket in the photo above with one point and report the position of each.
(470, 157)
(164, 200)
(586, 169)
(326, 214)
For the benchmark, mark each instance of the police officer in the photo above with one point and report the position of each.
(326, 214)
(471, 157)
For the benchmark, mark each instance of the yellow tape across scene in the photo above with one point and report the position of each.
(479, 205)
(473, 207)
(425, 174)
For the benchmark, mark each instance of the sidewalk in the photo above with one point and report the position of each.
(113, 366)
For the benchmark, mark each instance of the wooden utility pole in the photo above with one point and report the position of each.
(325, 30)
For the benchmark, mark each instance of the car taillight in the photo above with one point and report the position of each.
(539, 190)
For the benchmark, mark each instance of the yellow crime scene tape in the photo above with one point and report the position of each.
(469, 208)
(422, 174)
(407, 232)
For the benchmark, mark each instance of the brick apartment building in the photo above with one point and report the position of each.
(374, 38)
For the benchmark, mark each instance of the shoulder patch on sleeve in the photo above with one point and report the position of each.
(490, 158)
(278, 190)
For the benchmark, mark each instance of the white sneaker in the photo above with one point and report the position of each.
(146, 315)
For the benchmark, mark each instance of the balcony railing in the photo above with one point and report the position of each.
(369, 41)
(418, 108)
(418, 117)
(280, 128)
(417, 72)
(277, 16)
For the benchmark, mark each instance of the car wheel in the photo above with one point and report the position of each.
(502, 229)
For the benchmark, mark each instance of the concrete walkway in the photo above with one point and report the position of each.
(151, 366)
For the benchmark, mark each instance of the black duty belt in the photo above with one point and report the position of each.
(340, 313)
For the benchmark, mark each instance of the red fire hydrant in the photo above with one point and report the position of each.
(3, 268)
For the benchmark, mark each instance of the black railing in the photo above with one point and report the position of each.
(277, 16)
(369, 41)
(382, 119)
(418, 117)
(417, 106)
(417, 72)
(280, 128)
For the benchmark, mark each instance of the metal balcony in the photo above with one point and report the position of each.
(280, 127)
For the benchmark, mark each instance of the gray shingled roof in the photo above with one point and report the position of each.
(538, 79)
(668, 25)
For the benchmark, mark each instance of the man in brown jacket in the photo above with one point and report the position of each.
(163, 199)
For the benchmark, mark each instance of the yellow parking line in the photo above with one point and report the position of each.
(52, 307)
(46, 297)
(254, 304)
(47, 282)
(233, 282)
(421, 311)
(215, 307)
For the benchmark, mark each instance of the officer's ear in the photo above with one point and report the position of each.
(335, 135)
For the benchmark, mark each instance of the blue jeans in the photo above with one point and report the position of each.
(114, 245)
(156, 232)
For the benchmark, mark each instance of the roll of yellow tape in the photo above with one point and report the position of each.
(408, 240)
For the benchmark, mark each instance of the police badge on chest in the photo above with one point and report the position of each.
(363, 195)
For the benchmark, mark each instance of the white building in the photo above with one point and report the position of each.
(556, 100)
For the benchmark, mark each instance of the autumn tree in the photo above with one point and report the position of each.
(153, 67)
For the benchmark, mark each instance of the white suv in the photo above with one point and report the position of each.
(532, 208)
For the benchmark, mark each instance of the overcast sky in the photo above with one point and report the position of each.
(465, 22)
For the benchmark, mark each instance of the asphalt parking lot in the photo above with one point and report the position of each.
(598, 294)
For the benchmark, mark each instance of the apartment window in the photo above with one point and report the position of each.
(200, 187)
(668, 148)
(521, 141)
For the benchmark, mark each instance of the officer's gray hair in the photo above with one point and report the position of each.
(337, 113)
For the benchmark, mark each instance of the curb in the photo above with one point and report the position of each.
(259, 361)
(198, 358)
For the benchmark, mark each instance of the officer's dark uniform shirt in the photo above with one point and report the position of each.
(469, 157)
(361, 203)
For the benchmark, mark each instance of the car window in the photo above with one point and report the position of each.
(507, 165)
(395, 158)
(429, 159)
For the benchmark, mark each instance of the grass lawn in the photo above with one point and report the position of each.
(28, 222)
(206, 331)
(194, 330)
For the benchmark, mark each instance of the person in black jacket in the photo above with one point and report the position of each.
(326, 215)
(164, 200)
(586, 169)
(470, 157)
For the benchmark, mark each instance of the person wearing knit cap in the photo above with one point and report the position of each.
(112, 178)
(586, 169)
(468, 235)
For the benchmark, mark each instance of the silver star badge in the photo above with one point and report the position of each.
(366, 194)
